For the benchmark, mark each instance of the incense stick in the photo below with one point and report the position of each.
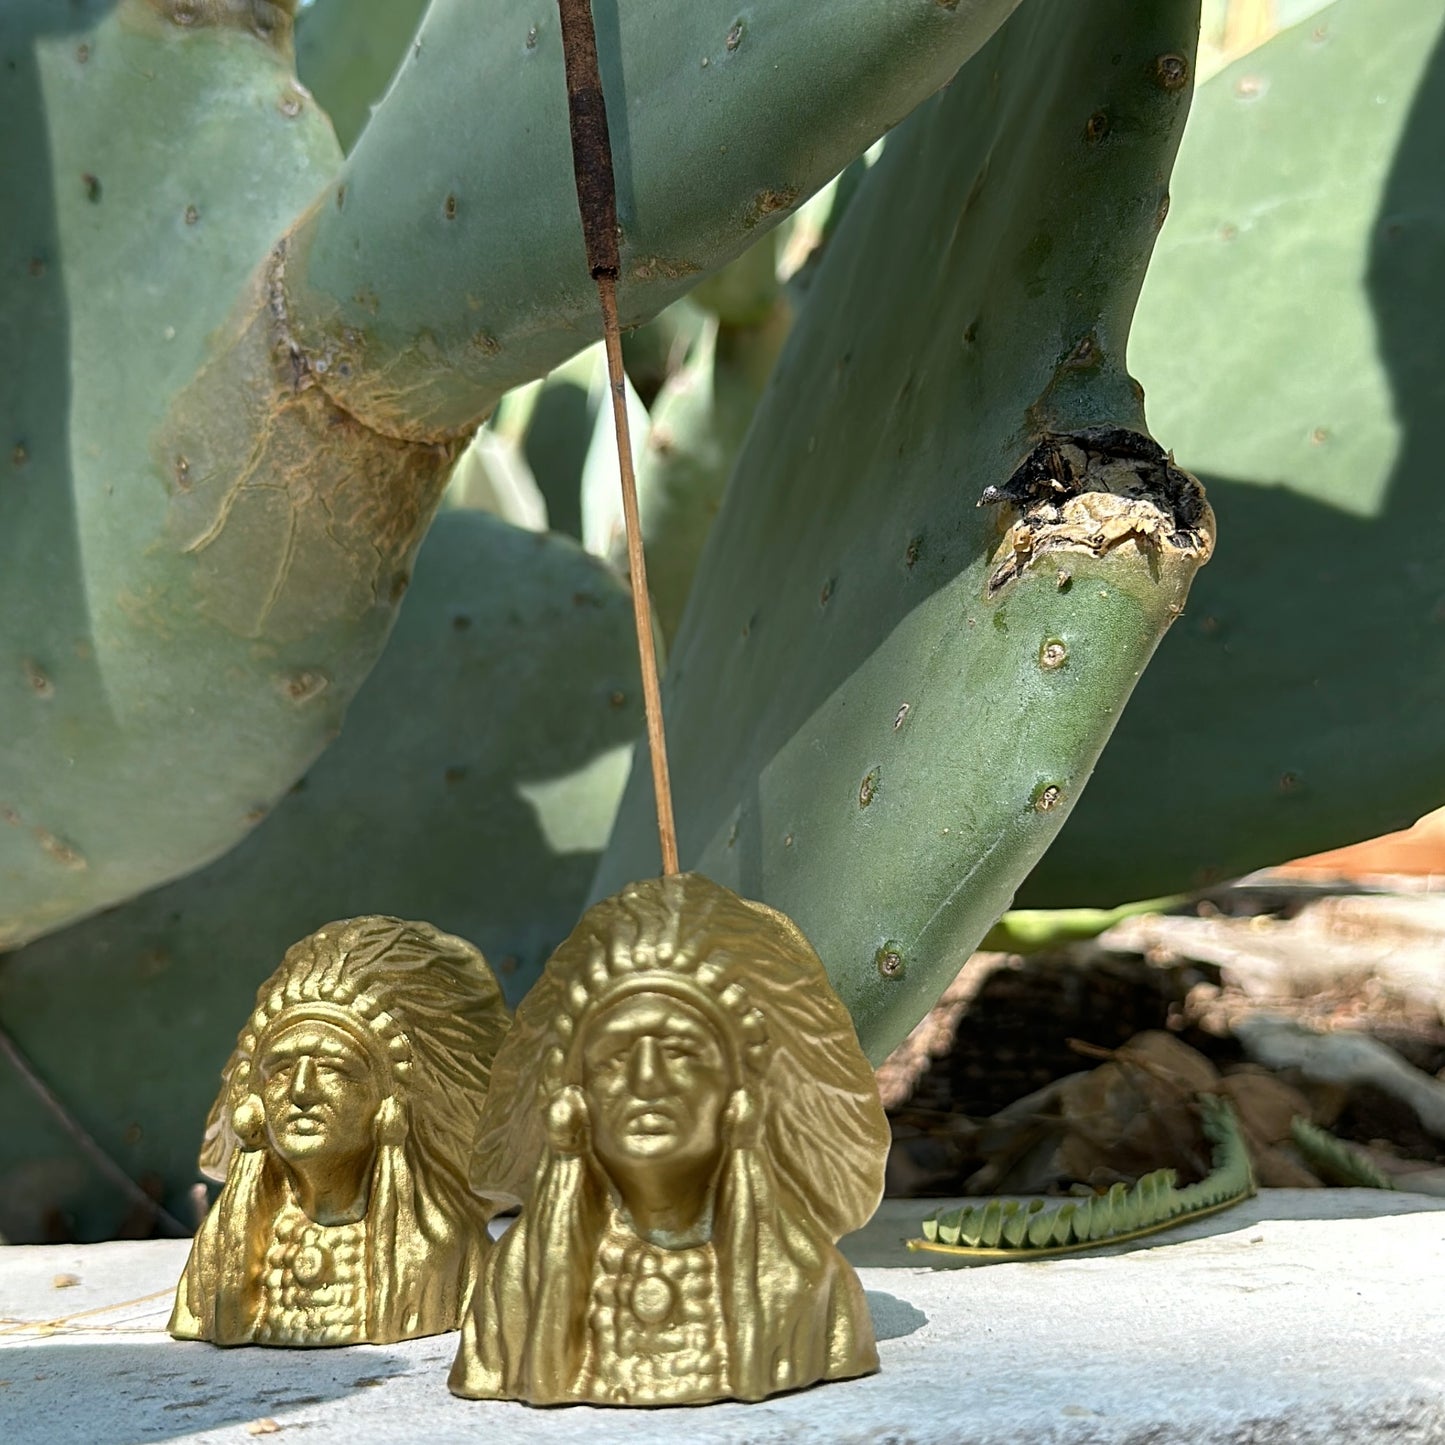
(597, 201)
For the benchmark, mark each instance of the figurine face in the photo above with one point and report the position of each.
(655, 1079)
(320, 1095)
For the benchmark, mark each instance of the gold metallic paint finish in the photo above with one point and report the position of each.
(685, 1114)
(343, 1126)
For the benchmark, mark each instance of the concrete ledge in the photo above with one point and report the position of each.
(1301, 1316)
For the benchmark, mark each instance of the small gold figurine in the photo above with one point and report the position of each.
(683, 1108)
(345, 1118)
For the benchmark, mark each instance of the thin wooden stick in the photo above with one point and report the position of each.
(597, 201)
(637, 569)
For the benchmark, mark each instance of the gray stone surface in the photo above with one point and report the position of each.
(1301, 1316)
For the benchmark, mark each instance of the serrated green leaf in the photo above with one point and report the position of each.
(1036, 1229)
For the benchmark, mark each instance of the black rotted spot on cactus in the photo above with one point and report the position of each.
(1092, 491)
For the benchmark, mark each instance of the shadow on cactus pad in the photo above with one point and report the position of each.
(1288, 340)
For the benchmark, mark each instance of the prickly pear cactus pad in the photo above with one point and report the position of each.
(152, 703)
(474, 786)
(446, 265)
(949, 545)
(348, 50)
(1301, 695)
(699, 421)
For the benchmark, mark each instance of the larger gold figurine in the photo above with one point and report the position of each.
(683, 1108)
(342, 1130)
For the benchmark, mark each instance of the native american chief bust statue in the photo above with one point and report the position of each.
(685, 1113)
(343, 1126)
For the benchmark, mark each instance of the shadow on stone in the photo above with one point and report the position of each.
(159, 1391)
(893, 1318)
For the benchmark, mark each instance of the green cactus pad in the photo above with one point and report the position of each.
(446, 264)
(347, 52)
(1286, 343)
(561, 418)
(1002, 1230)
(473, 786)
(698, 424)
(885, 697)
(173, 654)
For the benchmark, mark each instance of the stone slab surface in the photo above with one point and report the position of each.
(1300, 1316)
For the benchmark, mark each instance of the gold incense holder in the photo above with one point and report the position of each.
(345, 1117)
(684, 1112)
